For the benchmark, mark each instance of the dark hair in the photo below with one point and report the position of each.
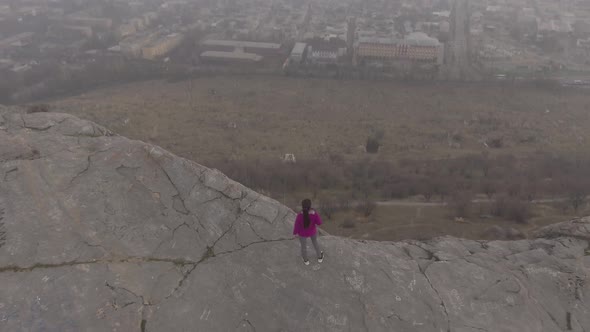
(306, 205)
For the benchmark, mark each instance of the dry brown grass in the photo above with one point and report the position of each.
(393, 223)
(312, 118)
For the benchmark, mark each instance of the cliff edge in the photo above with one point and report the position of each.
(102, 233)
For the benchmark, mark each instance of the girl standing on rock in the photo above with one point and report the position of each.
(304, 227)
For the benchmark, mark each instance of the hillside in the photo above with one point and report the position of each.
(102, 233)
(212, 118)
(438, 142)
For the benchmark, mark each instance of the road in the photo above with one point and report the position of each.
(435, 204)
(458, 47)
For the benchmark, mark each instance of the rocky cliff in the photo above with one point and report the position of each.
(102, 233)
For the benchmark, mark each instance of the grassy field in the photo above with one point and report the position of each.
(392, 223)
(313, 118)
(263, 118)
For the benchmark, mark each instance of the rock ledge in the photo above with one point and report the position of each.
(99, 232)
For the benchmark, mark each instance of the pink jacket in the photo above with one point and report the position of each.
(299, 229)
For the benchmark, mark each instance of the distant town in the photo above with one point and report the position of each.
(49, 47)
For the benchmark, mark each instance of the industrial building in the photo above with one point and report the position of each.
(236, 57)
(94, 22)
(132, 46)
(125, 30)
(162, 46)
(17, 40)
(325, 51)
(150, 46)
(325, 56)
(74, 30)
(416, 47)
(298, 53)
(264, 49)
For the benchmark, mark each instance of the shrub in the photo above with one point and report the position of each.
(441, 187)
(461, 204)
(372, 145)
(328, 206)
(489, 188)
(348, 223)
(366, 207)
(426, 188)
(512, 209)
(496, 143)
(499, 207)
(38, 108)
(576, 188)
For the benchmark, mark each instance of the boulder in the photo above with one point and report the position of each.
(102, 233)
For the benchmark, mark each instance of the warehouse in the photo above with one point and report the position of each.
(263, 49)
(230, 57)
(417, 47)
(298, 53)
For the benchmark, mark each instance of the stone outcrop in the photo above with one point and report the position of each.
(102, 233)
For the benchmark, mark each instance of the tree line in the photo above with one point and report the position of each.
(507, 182)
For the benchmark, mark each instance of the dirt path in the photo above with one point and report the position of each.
(435, 204)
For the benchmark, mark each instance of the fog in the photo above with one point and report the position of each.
(50, 47)
(388, 111)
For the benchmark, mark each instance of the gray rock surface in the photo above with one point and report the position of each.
(102, 233)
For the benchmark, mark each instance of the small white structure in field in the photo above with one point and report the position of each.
(288, 158)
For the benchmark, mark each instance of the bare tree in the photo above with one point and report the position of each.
(366, 207)
(461, 204)
(327, 207)
(577, 191)
(512, 208)
(489, 188)
(191, 93)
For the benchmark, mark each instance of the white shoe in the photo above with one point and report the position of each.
(306, 262)
(321, 258)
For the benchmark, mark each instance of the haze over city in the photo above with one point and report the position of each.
(46, 45)
(163, 163)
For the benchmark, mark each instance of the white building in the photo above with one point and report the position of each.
(298, 53)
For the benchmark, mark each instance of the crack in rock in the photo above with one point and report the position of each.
(206, 255)
(29, 154)
(115, 288)
(254, 230)
(80, 173)
(50, 123)
(394, 315)
(2, 229)
(144, 303)
(178, 192)
(178, 205)
(475, 328)
(174, 234)
(245, 320)
(250, 244)
(442, 303)
(364, 306)
(11, 174)
(91, 245)
(534, 299)
(233, 223)
(87, 167)
(131, 259)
